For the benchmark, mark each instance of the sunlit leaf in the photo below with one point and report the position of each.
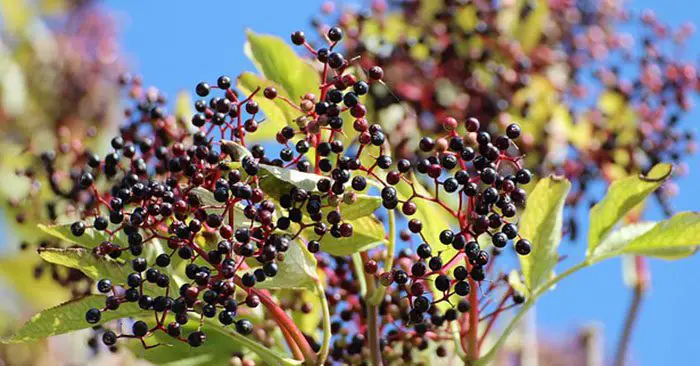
(217, 350)
(68, 317)
(623, 195)
(297, 271)
(682, 231)
(368, 233)
(18, 271)
(278, 113)
(541, 223)
(277, 181)
(90, 239)
(87, 262)
(278, 62)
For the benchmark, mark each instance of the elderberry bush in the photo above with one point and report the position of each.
(277, 225)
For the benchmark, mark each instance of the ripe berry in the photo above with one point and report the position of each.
(77, 228)
(376, 73)
(195, 339)
(447, 236)
(415, 226)
(335, 60)
(139, 328)
(163, 260)
(442, 283)
(513, 131)
(499, 240)
(435, 263)
(244, 327)
(335, 34)
(202, 89)
(93, 316)
(223, 82)
(298, 38)
(518, 297)
(104, 286)
(424, 251)
(174, 329)
(462, 288)
(523, 247)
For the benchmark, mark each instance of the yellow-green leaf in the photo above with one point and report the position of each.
(623, 195)
(17, 271)
(278, 62)
(541, 223)
(297, 271)
(90, 239)
(68, 317)
(368, 233)
(87, 262)
(679, 232)
(278, 113)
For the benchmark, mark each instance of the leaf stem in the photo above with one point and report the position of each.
(633, 311)
(373, 335)
(376, 298)
(267, 355)
(325, 347)
(526, 306)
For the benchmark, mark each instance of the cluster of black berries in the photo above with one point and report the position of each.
(203, 201)
(194, 194)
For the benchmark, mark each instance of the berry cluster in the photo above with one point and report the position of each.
(203, 219)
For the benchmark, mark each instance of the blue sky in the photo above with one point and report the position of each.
(174, 46)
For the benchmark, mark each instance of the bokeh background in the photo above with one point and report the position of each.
(175, 44)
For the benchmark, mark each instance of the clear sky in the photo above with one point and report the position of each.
(175, 44)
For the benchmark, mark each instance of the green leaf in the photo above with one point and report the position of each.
(90, 239)
(368, 232)
(530, 29)
(297, 271)
(623, 195)
(516, 283)
(183, 111)
(97, 267)
(68, 317)
(268, 356)
(217, 350)
(682, 231)
(206, 198)
(277, 112)
(277, 181)
(433, 216)
(278, 62)
(17, 271)
(541, 223)
(87, 262)
(236, 151)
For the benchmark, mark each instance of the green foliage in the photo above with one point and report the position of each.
(297, 271)
(216, 350)
(541, 223)
(623, 195)
(68, 317)
(17, 271)
(278, 62)
(86, 261)
(90, 239)
(278, 113)
(368, 233)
